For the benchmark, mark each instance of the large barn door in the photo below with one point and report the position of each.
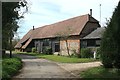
(57, 47)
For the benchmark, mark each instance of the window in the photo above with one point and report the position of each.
(90, 43)
(83, 44)
(97, 42)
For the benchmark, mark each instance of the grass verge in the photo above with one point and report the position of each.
(99, 73)
(63, 59)
(10, 66)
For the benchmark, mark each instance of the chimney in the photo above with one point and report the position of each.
(33, 28)
(91, 12)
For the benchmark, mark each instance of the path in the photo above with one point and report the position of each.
(42, 68)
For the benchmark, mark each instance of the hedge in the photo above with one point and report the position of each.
(86, 53)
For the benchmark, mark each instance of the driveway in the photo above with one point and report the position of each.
(76, 68)
(42, 68)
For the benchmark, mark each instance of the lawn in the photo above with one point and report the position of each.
(99, 72)
(10, 66)
(63, 59)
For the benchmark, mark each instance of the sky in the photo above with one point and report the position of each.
(45, 12)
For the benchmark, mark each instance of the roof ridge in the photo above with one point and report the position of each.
(64, 20)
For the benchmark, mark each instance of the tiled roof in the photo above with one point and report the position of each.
(95, 34)
(75, 24)
(25, 38)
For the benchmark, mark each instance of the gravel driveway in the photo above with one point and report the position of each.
(42, 68)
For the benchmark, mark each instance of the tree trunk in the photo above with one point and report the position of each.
(11, 45)
(67, 48)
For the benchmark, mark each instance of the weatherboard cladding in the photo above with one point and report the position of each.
(76, 24)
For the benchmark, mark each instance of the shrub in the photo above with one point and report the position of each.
(33, 49)
(98, 53)
(74, 53)
(110, 44)
(10, 66)
(47, 50)
(5, 75)
(107, 51)
(86, 53)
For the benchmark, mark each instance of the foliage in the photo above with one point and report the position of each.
(10, 17)
(86, 53)
(47, 50)
(64, 35)
(33, 49)
(100, 73)
(5, 56)
(110, 44)
(98, 53)
(74, 53)
(10, 66)
(14, 42)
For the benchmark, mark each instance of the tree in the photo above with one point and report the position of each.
(65, 35)
(110, 44)
(10, 17)
(14, 42)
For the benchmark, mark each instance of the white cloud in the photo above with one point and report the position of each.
(44, 12)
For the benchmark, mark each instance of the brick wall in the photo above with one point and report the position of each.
(73, 45)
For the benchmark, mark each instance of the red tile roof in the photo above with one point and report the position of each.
(75, 24)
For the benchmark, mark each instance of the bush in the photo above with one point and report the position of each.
(47, 50)
(98, 53)
(107, 51)
(110, 44)
(5, 75)
(106, 58)
(86, 53)
(33, 49)
(75, 54)
(10, 66)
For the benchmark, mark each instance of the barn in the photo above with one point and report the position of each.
(59, 37)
